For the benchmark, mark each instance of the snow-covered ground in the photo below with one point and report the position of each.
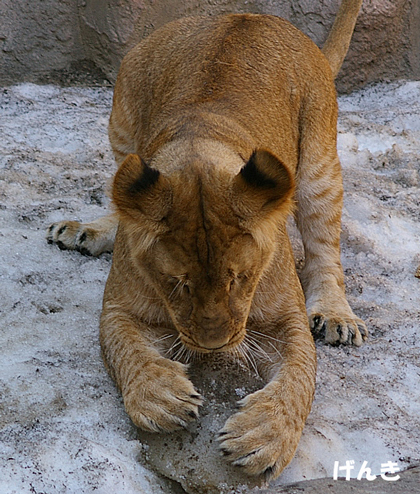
(63, 428)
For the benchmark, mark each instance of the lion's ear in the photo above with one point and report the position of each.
(139, 190)
(263, 185)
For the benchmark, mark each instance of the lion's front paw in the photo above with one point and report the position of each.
(72, 235)
(336, 329)
(263, 436)
(162, 398)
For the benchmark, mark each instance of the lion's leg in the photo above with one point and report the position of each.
(263, 436)
(88, 238)
(158, 396)
(98, 236)
(320, 198)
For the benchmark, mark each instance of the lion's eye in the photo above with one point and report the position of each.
(180, 284)
(236, 279)
(181, 278)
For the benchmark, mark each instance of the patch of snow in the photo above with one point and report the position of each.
(62, 423)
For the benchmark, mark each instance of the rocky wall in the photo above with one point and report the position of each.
(38, 36)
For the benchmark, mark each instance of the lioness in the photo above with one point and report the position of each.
(219, 125)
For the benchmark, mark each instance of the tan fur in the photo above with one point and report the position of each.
(338, 41)
(234, 119)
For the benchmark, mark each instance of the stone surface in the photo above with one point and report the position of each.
(37, 37)
(192, 458)
(386, 42)
(111, 34)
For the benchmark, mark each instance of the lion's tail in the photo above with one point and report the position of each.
(338, 41)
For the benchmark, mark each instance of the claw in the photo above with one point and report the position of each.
(225, 452)
(268, 473)
(240, 461)
(316, 320)
(196, 397)
(193, 414)
(319, 327)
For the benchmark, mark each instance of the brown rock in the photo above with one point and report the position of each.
(36, 38)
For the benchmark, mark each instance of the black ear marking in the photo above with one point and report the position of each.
(255, 176)
(263, 184)
(147, 179)
(141, 189)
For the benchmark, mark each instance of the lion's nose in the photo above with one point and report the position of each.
(213, 332)
(212, 343)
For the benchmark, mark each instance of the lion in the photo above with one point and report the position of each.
(222, 129)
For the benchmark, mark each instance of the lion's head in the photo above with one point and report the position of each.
(202, 237)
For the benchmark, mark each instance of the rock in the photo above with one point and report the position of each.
(35, 41)
(192, 457)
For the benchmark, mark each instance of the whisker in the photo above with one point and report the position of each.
(236, 351)
(265, 335)
(248, 357)
(178, 353)
(253, 362)
(268, 337)
(239, 352)
(257, 348)
(163, 338)
(191, 355)
(175, 288)
(276, 350)
(268, 342)
(175, 344)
